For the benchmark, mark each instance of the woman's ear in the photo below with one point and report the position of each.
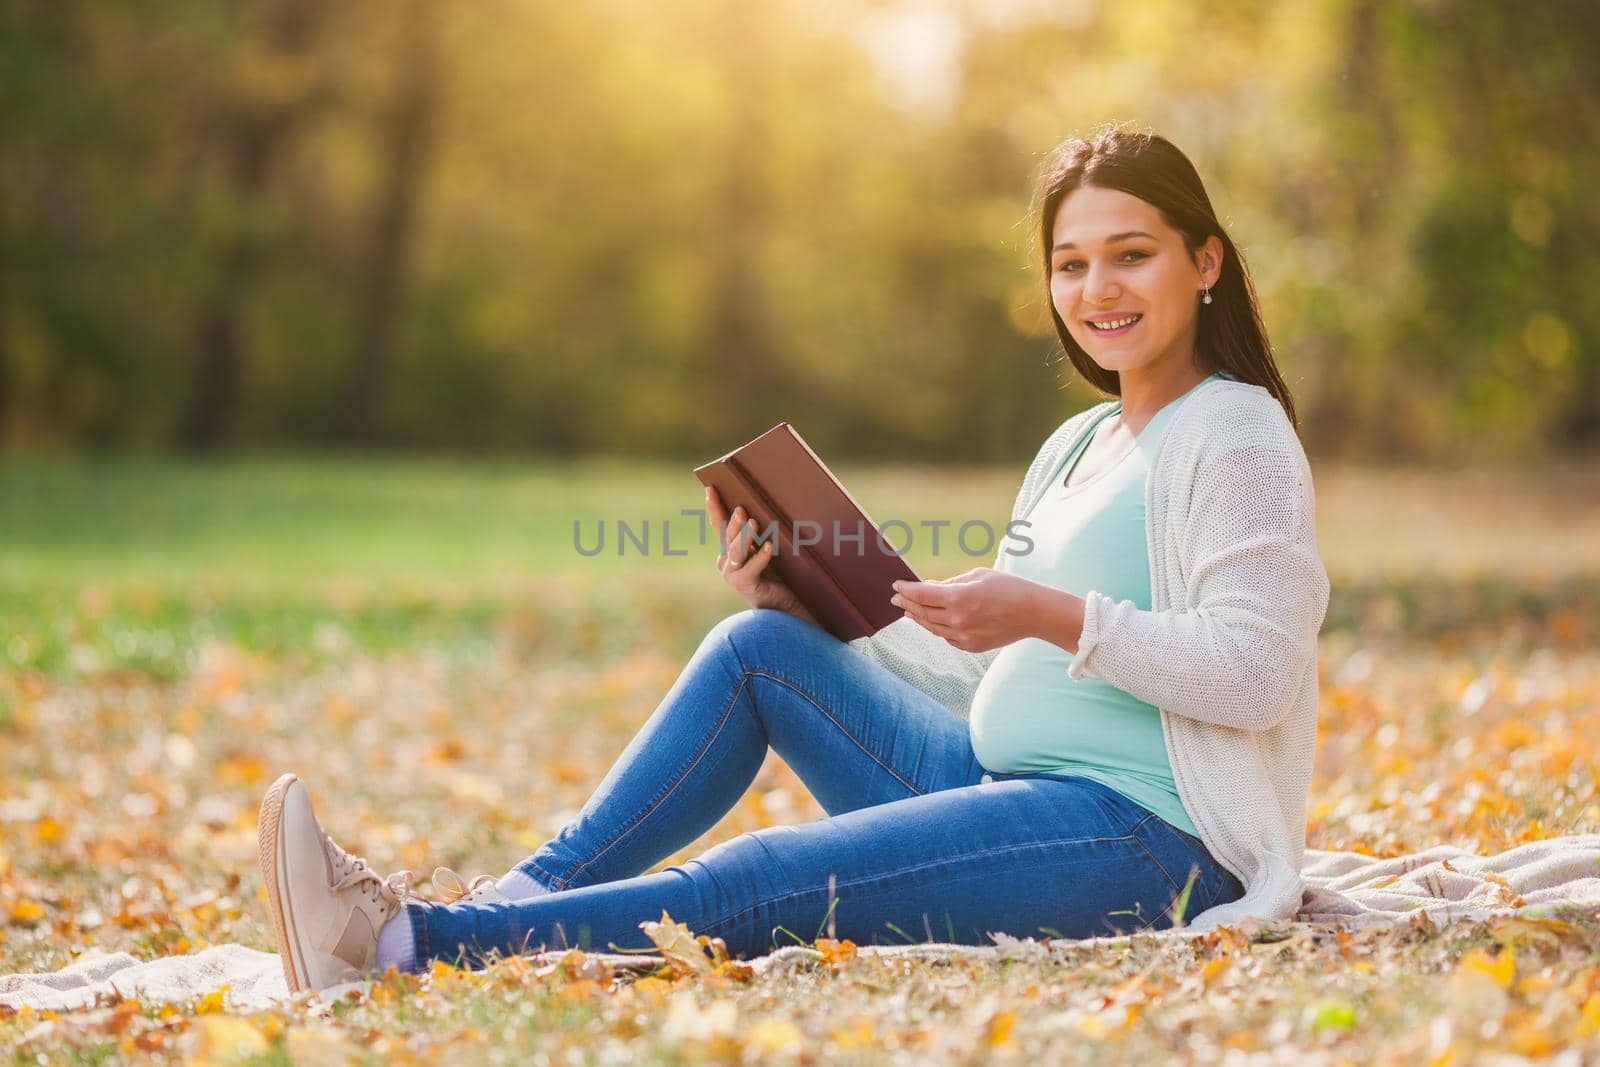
(1208, 258)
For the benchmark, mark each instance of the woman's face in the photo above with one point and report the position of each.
(1123, 282)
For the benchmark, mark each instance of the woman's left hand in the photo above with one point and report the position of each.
(976, 611)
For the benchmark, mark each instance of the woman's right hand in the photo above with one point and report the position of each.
(746, 571)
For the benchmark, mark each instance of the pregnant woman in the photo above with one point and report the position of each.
(1109, 730)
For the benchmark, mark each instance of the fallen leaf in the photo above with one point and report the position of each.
(26, 911)
(1214, 968)
(688, 1021)
(836, 952)
(771, 1037)
(678, 945)
(220, 1040)
(321, 1048)
(211, 1003)
(1500, 968)
(997, 1031)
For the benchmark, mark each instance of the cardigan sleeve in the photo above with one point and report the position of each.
(1257, 592)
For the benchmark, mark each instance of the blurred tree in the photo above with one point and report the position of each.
(406, 141)
(262, 109)
(6, 226)
(746, 366)
(1507, 240)
(649, 229)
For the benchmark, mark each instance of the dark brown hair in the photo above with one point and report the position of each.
(1230, 336)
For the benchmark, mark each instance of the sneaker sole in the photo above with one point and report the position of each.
(269, 843)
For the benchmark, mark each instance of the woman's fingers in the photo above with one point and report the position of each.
(714, 508)
(740, 561)
(757, 561)
(915, 607)
(733, 543)
(736, 544)
(726, 524)
(928, 594)
(738, 529)
(933, 626)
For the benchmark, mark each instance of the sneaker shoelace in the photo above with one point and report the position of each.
(455, 887)
(352, 871)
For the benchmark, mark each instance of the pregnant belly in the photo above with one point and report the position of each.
(1029, 717)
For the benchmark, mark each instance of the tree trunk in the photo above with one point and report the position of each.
(7, 388)
(257, 138)
(740, 333)
(407, 139)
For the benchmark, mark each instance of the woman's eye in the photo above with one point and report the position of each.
(1072, 266)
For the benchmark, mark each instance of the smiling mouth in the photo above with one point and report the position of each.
(1114, 325)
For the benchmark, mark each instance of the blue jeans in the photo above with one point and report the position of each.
(919, 843)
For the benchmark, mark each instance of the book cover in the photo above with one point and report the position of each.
(828, 550)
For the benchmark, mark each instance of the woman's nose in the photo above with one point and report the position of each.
(1098, 286)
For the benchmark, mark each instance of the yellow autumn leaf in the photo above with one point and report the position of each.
(998, 1030)
(652, 989)
(774, 1037)
(1589, 1017)
(678, 945)
(211, 1003)
(26, 911)
(836, 952)
(1213, 969)
(223, 1040)
(1501, 968)
(860, 1034)
(321, 1048)
(1510, 930)
(1530, 1039)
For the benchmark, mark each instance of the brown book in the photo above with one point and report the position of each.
(844, 580)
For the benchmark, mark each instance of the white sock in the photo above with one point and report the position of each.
(397, 946)
(516, 885)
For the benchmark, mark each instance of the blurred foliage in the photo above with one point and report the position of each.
(659, 228)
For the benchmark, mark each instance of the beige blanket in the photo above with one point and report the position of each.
(1343, 888)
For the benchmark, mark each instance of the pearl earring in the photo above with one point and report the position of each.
(1206, 297)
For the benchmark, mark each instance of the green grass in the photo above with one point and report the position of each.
(136, 563)
(294, 522)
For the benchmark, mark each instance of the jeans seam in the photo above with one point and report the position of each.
(842, 728)
(421, 946)
(665, 794)
(726, 920)
(1177, 890)
(798, 688)
(671, 787)
(551, 882)
(1161, 867)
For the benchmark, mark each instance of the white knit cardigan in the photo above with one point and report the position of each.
(1228, 651)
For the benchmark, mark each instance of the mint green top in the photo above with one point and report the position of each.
(1027, 715)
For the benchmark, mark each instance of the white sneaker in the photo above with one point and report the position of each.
(485, 888)
(327, 905)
